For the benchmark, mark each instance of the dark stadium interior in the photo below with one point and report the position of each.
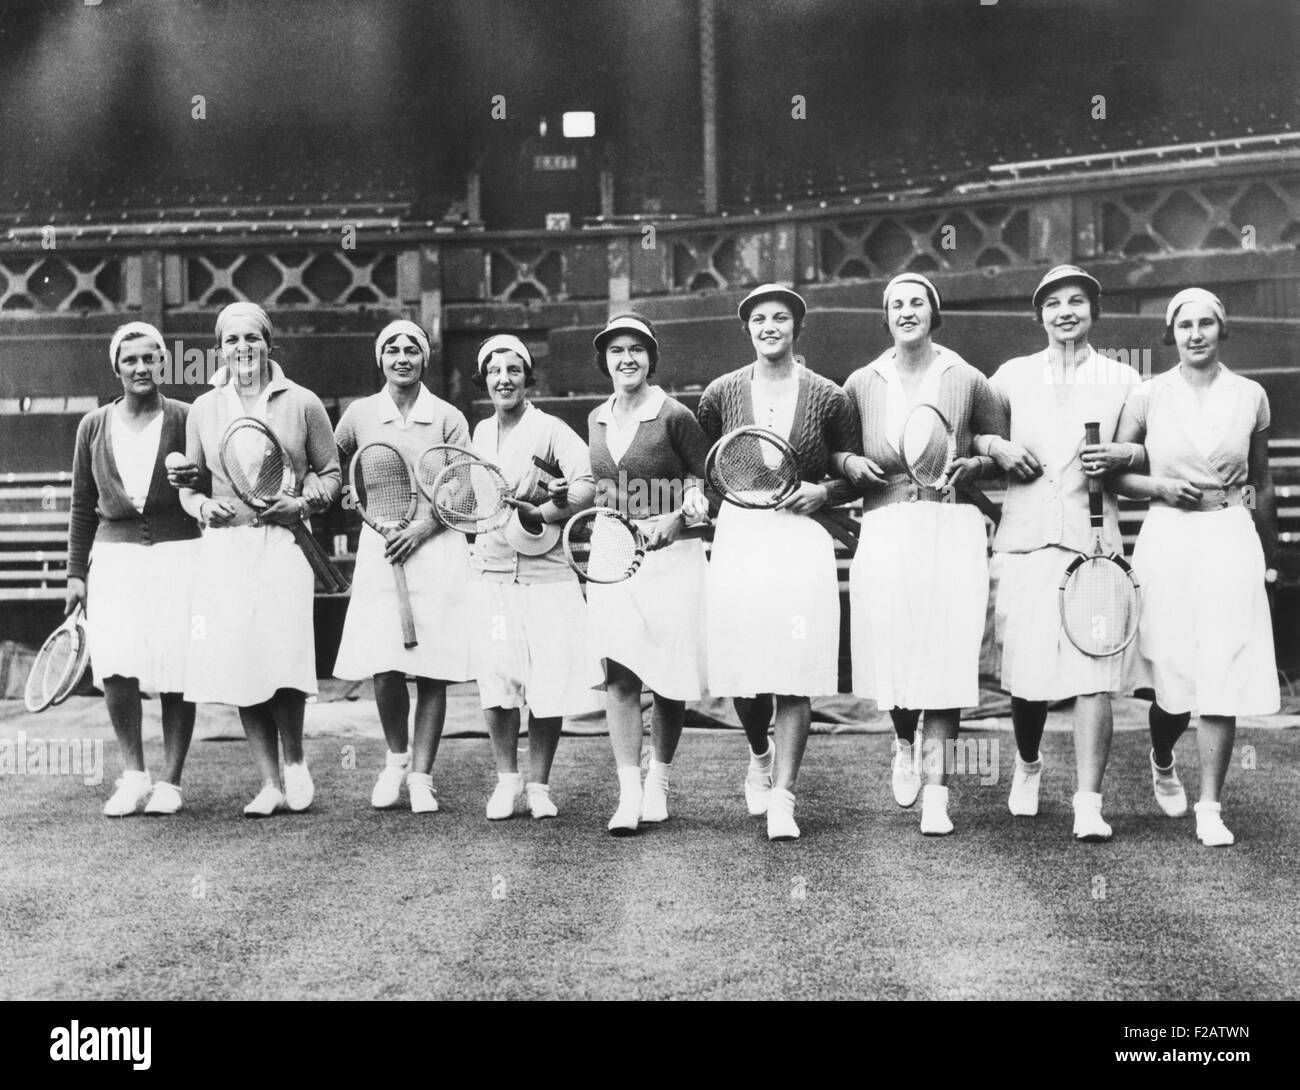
(974, 155)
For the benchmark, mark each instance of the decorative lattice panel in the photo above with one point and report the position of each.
(333, 278)
(959, 240)
(526, 276)
(55, 283)
(1261, 213)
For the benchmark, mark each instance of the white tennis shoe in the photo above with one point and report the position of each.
(130, 794)
(267, 802)
(654, 796)
(166, 799)
(505, 799)
(298, 788)
(905, 777)
(934, 811)
(419, 785)
(780, 815)
(388, 787)
(1089, 825)
(1170, 796)
(540, 804)
(758, 782)
(1210, 829)
(1025, 780)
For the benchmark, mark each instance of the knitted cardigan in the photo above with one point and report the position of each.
(824, 423)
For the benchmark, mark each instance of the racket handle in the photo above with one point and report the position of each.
(836, 529)
(404, 608)
(329, 576)
(1091, 437)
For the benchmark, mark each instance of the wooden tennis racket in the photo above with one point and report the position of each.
(384, 489)
(469, 495)
(258, 468)
(1100, 597)
(59, 664)
(929, 450)
(603, 546)
(755, 468)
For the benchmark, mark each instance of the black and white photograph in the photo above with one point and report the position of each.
(640, 500)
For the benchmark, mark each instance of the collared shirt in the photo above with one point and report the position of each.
(1048, 421)
(536, 435)
(618, 437)
(135, 453)
(292, 412)
(1205, 440)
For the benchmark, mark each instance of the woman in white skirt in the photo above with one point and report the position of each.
(252, 642)
(1049, 397)
(1204, 556)
(647, 455)
(436, 562)
(129, 531)
(773, 605)
(919, 582)
(529, 620)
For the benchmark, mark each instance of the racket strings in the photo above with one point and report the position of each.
(926, 447)
(50, 671)
(754, 469)
(383, 485)
(603, 547)
(1099, 607)
(254, 463)
(469, 493)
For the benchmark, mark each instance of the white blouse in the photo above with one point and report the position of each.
(135, 454)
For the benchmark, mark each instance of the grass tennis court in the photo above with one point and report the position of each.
(347, 902)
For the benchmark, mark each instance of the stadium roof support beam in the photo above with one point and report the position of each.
(709, 106)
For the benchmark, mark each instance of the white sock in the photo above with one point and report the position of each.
(398, 760)
(629, 779)
(659, 770)
(762, 760)
(1087, 800)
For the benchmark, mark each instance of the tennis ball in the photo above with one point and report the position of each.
(174, 460)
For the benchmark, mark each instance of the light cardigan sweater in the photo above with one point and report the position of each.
(964, 397)
(292, 412)
(823, 423)
(1053, 509)
(101, 509)
(666, 456)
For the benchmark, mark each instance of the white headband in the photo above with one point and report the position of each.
(401, 328)
(1196, 295)
(504, 340)
(127, 332)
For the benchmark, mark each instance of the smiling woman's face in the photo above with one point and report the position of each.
(402, 360)
(1196, 335)
(138, 360)
(244, 347)
(771, 328)
(505, 376)
(909, 314)
(1067, 314)
(627, 359)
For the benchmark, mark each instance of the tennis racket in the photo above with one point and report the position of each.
(59, 664)
(259, 470)
(1100, 597)
(384, 489)
(469, 495)
(755, 468)
(603, 546)
(929, 450)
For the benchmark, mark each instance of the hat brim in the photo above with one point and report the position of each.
(792, 298)
(529, 544)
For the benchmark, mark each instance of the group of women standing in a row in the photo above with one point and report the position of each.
(229, 619)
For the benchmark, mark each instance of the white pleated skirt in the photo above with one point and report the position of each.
(437, 579)
(1038, 660)
(772, 614)
(653, 623)
(251, 618)
(138, 612)
(529, 646)
(1206, 638)
(918, 594)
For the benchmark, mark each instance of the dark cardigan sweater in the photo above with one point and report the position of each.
(101, 509)
(824, 423)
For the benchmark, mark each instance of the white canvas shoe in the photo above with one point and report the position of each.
(1089, 825)
(130, 794)
(419, 785)
(166, 799)
(904, 776)
(1170, 796)
(1023, 799)
(934, 811)
(298, 788)
(1210, 829)
(758, 782)
(505, 799)
(388, 787)
(780, 816)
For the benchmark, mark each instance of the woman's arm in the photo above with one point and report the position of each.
(83, 519)
(322, 457)
(1264, 508)
(575, 467)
